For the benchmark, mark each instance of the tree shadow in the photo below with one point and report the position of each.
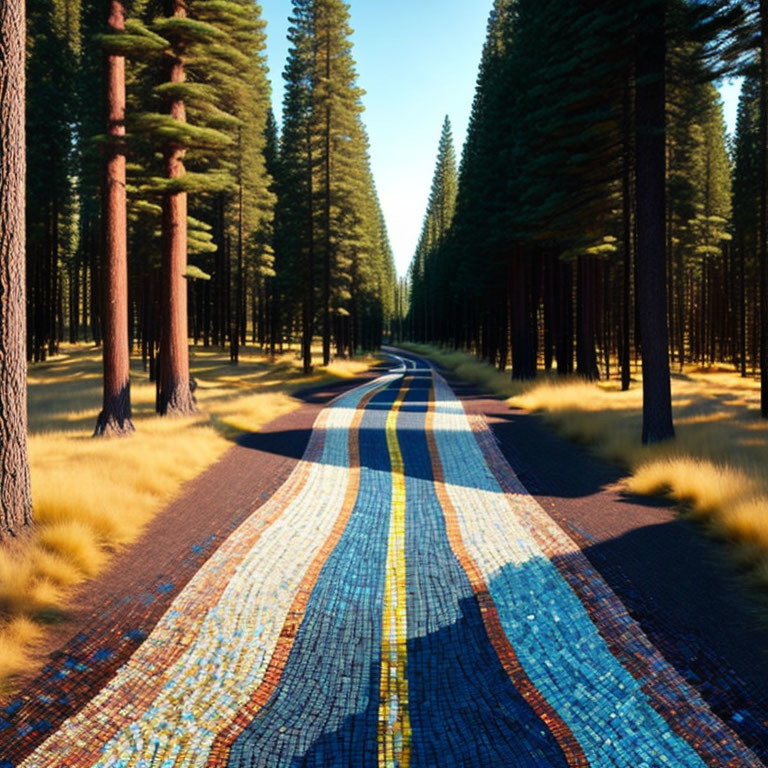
(465, 711)
(690, 603)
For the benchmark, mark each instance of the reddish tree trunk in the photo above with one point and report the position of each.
(15, 499)
(175, 394)
(115, 416)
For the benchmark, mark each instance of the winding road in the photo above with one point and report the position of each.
(401, 600)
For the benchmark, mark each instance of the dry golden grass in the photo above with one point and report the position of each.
(716, 467)
(17, 639)
(93, 495)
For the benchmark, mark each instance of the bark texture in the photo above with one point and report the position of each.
(764, 208)
(650, 172)
(15, 499)
(175, 394)
(115, 416)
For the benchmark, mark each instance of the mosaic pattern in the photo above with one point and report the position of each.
(400, 601)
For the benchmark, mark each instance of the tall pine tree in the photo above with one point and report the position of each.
(327, 216)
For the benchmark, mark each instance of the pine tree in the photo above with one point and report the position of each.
(271, 278)
(429, 281)
(235, 69)
(175, 393)
(85, 282)
(326, 220)
(52, 43)
(295, 216)
(171, 44)
(115, 416)
(650, 182)
(15, 499)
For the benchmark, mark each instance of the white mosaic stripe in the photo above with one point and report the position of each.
(228, 651)
(555, 640)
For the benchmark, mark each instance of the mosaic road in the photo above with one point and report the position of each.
(400, 601)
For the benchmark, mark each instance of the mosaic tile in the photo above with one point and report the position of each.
(400, 602)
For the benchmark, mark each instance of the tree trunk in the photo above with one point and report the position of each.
(742, 310)
(327, 249)
(586, 312)
(549, 310)
(564, 316)
(175, 393)
(275, 319)
(239, 320)
(763, 331)
(74, 302)
(523, 327)
(85, 278)
(95, 286)
(626, 218)
(15, 499)
(308, 305)
(51, 307)
(650, 180)
(115, 416)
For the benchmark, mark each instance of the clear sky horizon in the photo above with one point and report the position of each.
(417, 62)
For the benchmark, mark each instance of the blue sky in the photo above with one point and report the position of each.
(729, 91)
(417, 61)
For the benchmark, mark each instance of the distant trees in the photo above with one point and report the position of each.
(593, 213)
(15, 499)
(750, 193)
(429, 284)
(763, 159)
(746, 216)
(330, 233)
(53, 46)
(155, 167)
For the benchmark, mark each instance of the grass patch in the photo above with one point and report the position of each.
(92, 496)
(715, 468)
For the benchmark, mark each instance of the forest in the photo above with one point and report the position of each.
(600, 213)
(164, 205)
(600, 216)
(271, 495)
(181, 268)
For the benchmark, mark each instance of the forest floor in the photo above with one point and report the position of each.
(715, 469)
(92, 496)
(370, 580)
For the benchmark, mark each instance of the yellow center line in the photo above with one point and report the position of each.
(394, 721)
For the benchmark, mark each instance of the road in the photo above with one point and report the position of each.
(402, 600)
